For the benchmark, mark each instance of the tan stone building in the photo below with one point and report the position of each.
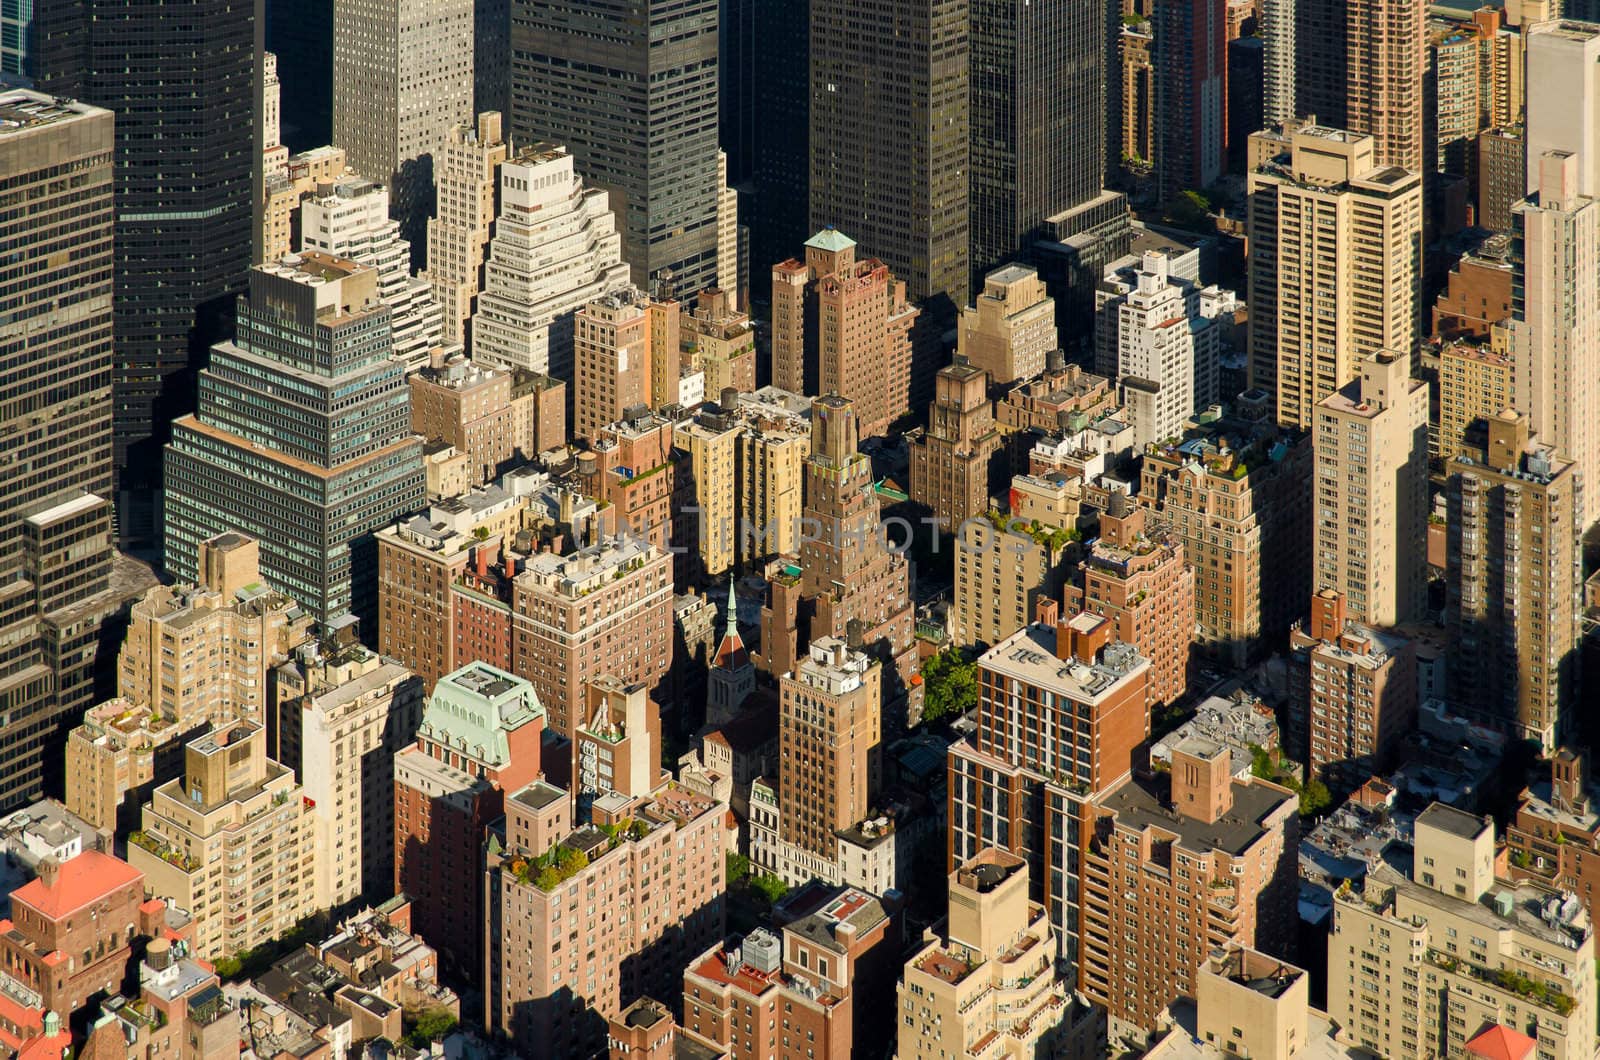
(985, 984)
(1010, 326)
(1514, 580)
(284, 188)
(1238, 496)
(953, 459)
(1352, 693)
(205, 652)
(1004, 567)
(603, 610)
(1474, 384)
(659, 863)
(611, 353)
(232, 842)
(859, 344)
(1370, 512)
(1420, 966)
(1174, 866)
(719, 340)
(465, 174)
(1136, 575)
(1335, 258)
(342, 716)
(113, 758)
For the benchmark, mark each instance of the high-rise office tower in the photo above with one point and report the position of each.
(55, 405)
(466, 173)
(349, 219)
(778, 214)
(901, 184)
(633, 95)
(1513, 576)
(1189, 70)
(182, 83)
(491, 56)
(953, 462)
(1335, 260)
(302, 438)
(1371, 502)
(300, 34)
(1563, 100)
(1037, 115)
(555, 247)
(402, 79)
(842, 325)
(1555, 318)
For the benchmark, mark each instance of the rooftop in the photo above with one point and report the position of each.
(22, 110)
(1142, 802)
(79, 882)
(1456, 822)
(1029, 655)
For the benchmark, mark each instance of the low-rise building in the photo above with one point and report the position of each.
(180, 1010)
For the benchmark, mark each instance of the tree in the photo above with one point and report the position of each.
(769, 887)
(949, 686)
(1190, 209)
(738, 867)
(431, 1026)
(1314, 798)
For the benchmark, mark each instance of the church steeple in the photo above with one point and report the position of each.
(732, 678)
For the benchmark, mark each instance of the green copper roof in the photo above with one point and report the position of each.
(472, 709)
(830, 239)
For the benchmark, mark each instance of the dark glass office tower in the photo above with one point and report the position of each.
(1322, 29)
(55, 424)
(180, 77)
(631, 91)
(491, 56)
(889, 130)
(1038, 119)
(778, 211)
(741, 86)
(1191, 94)
(300, 34)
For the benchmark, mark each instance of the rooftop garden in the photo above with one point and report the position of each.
(1053, 538)
(163, 850)
(550, 869)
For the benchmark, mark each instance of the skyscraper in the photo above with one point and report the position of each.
(1190, 82)
(1555, 318)
(55, 402)
(953, 461)
(402, 79)
(466, 174)
(302, 438)
(632, 93)
(300, 34)
(555, 247)
(1385, 55)
(1515, 622)
(181, 81)
(1563, 100)
(889, 133)
(1371, 501)
(1037, 117)
(349, 218)
(1335, 260)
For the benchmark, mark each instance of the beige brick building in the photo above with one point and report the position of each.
(1335, 258)
(1004, 567)
(231, 841)
(284, 188)
(478, 411)
(465, 173)
(1419, 966)
(1010, 326)
(719, 340)
(1474, 384)
(984, 983)
(1371, 506)
(342, 716)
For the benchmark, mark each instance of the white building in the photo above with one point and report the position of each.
(1169, 344)
(349, 218)
(555, 248)
(1563, 98)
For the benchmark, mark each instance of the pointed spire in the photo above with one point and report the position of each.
(731, 615)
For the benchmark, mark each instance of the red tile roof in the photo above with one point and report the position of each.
(1502, 1043)
(80, 881)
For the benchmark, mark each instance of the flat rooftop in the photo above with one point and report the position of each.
(1142, 802)
(1456, 822)
(1029, 655)
(22, 109)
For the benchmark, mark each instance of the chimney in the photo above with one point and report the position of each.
(1327, 614)
(49, 869)
(511, 565)
(482, 554)
(1202, 785)
(1048, 613)
(1082, 637)
(1567, 780)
